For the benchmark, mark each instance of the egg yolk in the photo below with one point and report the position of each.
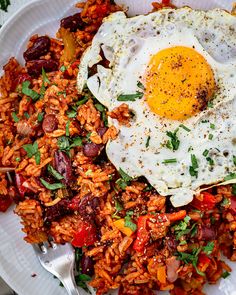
(179, 82)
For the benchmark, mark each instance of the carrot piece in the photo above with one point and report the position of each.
(176, 215)
(161, 274)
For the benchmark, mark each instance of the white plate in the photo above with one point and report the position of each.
(17, 260)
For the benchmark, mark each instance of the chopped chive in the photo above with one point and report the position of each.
(140, 85)
(26, 114)
(169, 161)
(147, 142)
(210, 104)
(234, 160)
(205, 153)
(212, 126)
(225, 274)
(184, 127)
(210, 161)
(130, 97)
(210, 136)
(40, 117)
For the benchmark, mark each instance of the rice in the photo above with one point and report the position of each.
(64, 181)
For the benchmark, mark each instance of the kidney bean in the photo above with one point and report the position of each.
(91, 149)
(40, 47)
(50, 123)
(206, 233)
(72, 22)
(87, 265)
(101, 131)
(34, 67)
(88, 205)
(57, 211)
(63, 166)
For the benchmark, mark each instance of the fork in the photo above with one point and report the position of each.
(58, 260)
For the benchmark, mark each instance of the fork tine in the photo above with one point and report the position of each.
(51, 242)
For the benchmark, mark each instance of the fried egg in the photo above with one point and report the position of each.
(176, 71)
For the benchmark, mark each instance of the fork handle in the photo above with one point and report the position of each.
(70, 284)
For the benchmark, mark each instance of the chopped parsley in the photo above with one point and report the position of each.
(230, 176)
(130, 97)
(45, 80)
(182, 229)
(173, 143)
(54, 172)
(208, 248)
(14, 117)
(102, 110)
(124, 180)
(32, 150)
(210, 104)
(148, 141)
(192, 258)
(68, 128)
(193, 169)
(29, 92)
(72, 113)
(63, 68)
(65, 143)
(212, 126)
(184, 127)
(26, 115)
(169, 161)
(40, 117)
(225, 274)
(17, 159)
(99, 107)
(225, 202)
(51, 186)
(129, 223)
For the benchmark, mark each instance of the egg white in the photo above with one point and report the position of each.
(128, 44)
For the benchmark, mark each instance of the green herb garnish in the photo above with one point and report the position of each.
(193, 169)
(173, 143)
(40, 117)
(210, 136)
(234, 189)
(99, 107)
(14, 117)
(54, 172)
(210, 161)
(29, 92)
(4, 4)
(32, 150)
(191, 258)
(212, 126)
(169, 161)
(234, 160)
(124, 180)
(71, 113)
(230, 176)
(225, 274)
(68, 128)
(51, 186)
(208, 248)
(185, 128)
(26, 115)
(63, 68)
(129, 223)
(205, 153)
(130, 97)
(140, 85)
(210, 104)
(148, 141)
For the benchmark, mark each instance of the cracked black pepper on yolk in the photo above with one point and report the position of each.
(179, 83)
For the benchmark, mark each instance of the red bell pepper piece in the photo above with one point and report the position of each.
(208, 202)
(19, 183)
(203, 262)
(85, 236)
(5, 203)
(233, 204)
(143, 234)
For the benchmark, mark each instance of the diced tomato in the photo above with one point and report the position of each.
(208, 202)
(85, 236)
(233, 204)
(5, 203)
